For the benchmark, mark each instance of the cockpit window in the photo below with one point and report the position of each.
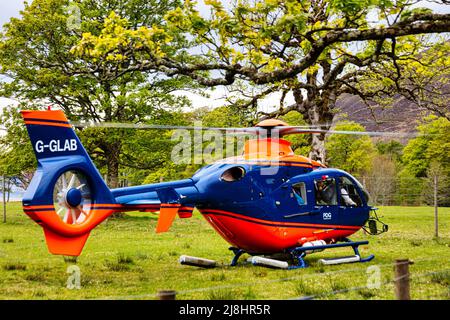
(326, 192)
(364, 190)
(233, 174)
(299, 193)
(349, 193)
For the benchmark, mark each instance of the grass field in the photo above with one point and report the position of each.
(125, 259)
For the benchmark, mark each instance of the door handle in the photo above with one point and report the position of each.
(309, 213)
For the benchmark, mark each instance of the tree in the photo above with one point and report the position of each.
(316, 50)
(349, 152)
(36, 56)
(146, 155)
(432, 145)
(380, 181)
(428, 155)
(437, 181)
(301, 144)
(148, 159)
(215, 145)
(419, 73)
(16, 153)
(391, 149)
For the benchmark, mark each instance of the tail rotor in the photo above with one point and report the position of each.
(72, 197)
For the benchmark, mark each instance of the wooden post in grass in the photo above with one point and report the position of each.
(167, 295)
(436, 225)
(4, 199)
(401, 276)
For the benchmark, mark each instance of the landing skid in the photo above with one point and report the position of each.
(298, 254)
(237, 254)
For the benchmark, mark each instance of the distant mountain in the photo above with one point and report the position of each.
(402, 117)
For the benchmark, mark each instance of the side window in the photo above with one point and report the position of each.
(349, 193)
(299, 193)
(326, 192)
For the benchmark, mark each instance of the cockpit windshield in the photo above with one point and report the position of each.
(359, 184)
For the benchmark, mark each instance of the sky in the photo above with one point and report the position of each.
(11, 8)
(8, 9)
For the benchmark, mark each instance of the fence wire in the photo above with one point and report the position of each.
(407, 191)
(335, 292)
(284, 279)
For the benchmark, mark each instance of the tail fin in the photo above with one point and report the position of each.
(67, 195)
(51, 134)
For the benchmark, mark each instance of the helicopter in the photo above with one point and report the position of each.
(266, 201)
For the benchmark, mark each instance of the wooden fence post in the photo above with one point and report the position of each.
(167, 295)
(401, 276)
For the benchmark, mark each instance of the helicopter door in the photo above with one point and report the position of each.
(326, 202)
(350, 202)
(299, 193)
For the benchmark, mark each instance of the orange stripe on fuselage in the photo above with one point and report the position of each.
(259, 238)
(91, 205)
(39, 207)
(269, 163)
(284, 224)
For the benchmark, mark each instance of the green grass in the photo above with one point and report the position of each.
(125, 259)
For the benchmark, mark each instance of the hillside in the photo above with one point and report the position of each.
(403, 116)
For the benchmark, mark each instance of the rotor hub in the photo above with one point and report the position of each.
(73, 197)
(270, 123)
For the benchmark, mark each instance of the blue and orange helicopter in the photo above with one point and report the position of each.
(266, 201)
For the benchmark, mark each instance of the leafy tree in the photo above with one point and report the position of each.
(16, 154)
(301, 144)
(419, 73)
(316, 50)
(437, 178)
(423, 157)
(381, 179)
(392, 149)
(409, 189)
(36, 56)
(433, 145)
(350, 152)
(149, 158)
(146, 154)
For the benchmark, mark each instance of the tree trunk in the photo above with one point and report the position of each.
(9, 189)
(112, 154)
(4, 198)
(320, 117)
(318, 151)
(113, 172)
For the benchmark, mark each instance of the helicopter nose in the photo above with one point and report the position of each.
(233, 174)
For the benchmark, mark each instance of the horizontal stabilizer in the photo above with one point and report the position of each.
(170, 205)
(167, 215)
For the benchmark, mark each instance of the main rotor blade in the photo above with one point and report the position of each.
(152, 126)
(283, 131)
(260, 131)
